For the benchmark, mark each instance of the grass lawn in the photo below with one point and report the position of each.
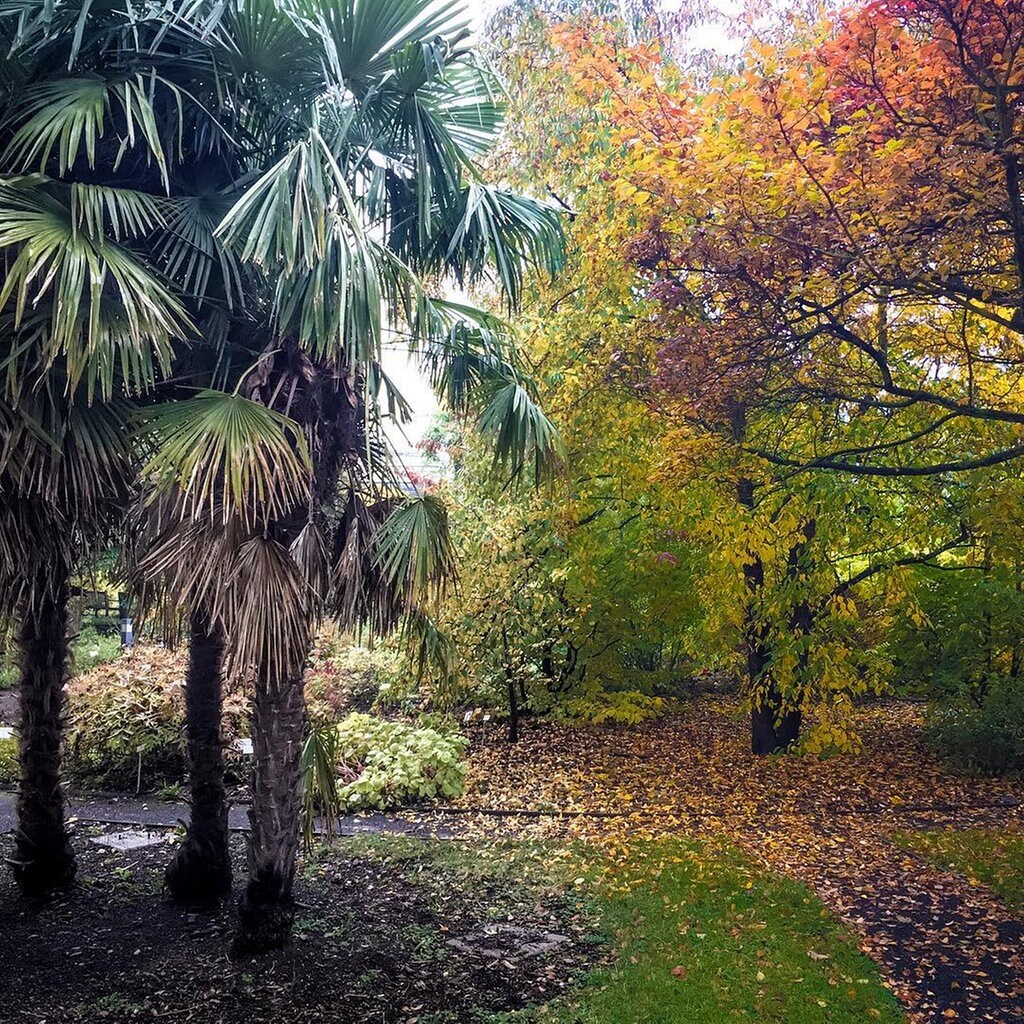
(991, 858)
(688, 934)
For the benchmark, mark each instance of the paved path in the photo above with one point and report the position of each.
(950, 950)
(129, 810)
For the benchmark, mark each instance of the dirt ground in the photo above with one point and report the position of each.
(373, 944)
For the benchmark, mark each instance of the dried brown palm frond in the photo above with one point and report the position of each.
(66, 474)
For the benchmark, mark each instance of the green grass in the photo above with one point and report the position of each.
(92, 648)
(991, 858)
(691, 934)
(702, 936)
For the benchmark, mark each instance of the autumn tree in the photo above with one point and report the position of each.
(672, 173)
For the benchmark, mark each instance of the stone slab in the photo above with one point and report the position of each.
(508, 942)
(129, 839)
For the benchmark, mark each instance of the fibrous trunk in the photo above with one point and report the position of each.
(201, 870)
(43, 859)
(268, 907)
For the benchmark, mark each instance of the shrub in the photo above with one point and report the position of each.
(986, 737)
(620, 707)
(344, 676)
(131, 714)
(385, 764)
(126, 724)
(93, 647)
(8, 760)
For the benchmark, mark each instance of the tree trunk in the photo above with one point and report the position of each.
(773, 726)
(268, 907)
(771, 729)
(201, 870)
(510, 685)
(43, 858)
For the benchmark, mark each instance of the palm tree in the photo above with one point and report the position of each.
(242, 201)
(62, 482)
(87, 321)
(111, 159)
(355, 191)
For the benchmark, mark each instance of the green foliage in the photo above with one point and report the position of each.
(995, 859)
(320, 783)
(123, 733)
(93, 647)
(617, 707)
(972, 619)
(9, 761)
(391, 763)
(986, 737)
(346, 676)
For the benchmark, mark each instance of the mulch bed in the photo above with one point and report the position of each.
(371, 945)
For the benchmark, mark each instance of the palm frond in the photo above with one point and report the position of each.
(227, 455)
(519, 430)
(320, 796)
(413, 548)
(268, 613)
(366, 36)
(66, 476)
(69, 117)
(77, 292)
(432, 650)
(503, 230)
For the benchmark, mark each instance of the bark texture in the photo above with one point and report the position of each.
(268, 907)
(771, 728)
(43, 859)
(201, 870)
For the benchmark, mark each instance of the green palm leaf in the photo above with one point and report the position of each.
(228, 456)
(519, 431)
(413, 548)
(69, 117)
(77, 290)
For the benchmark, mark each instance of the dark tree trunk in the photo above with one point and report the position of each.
(201, 870)
(774, 726)
(513, 713)
(771, 728)
(510, 685)
(268, 907)
(43, 859)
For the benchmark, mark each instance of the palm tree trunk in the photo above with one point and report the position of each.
(43, 858)
(268, 907)
(201, 870)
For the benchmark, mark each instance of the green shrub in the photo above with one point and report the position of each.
(620, 707)
(385, 764)
(8, 760)
(123, 737)
(94, 647)
(345, 677)
(125, 721)
(987, 738)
